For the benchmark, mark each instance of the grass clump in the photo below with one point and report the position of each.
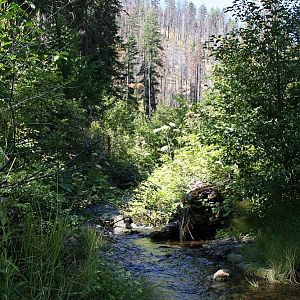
(275, 256)
(50, 259)
(38, 262)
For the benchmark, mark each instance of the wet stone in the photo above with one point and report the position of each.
(221, 275)
(181, 273)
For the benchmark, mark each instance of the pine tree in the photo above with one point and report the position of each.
(151, 47)
(95, 22)
(130, 62)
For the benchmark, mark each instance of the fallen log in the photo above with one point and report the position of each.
(199, 212)
(198, 215)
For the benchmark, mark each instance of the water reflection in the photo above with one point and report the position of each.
(181, 272)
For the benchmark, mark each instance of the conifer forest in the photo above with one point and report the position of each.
(149, 150)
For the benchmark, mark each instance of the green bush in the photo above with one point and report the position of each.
(156, 199)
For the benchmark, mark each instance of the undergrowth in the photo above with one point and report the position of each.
(275, 255)
(156, 199)
(47, 258)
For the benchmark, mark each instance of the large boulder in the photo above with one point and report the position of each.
(168, 233)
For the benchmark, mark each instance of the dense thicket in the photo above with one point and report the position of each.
(57, 68)
(56, 64)
(257, 87)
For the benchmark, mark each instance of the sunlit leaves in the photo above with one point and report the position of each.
(256, 84)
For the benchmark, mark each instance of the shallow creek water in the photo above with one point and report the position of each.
(180, 271)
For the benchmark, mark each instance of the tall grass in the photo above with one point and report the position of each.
(39, 264)
(276, 255)
(43, 260)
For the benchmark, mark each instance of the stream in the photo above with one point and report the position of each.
(180, 271)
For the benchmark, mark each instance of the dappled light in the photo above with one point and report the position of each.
(149, 150)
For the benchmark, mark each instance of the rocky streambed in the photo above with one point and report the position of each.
(184, 270)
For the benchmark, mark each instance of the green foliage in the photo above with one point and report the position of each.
(256, 100)
(156, 199)
(252, 112)
(136, 144)
(45, 260)
(275, 255)
(253, 109)
(160, 135)
(57, 62)
(66, 142)
(38, 266)
(128, 61)
(242, 222)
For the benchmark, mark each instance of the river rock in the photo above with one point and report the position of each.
(168, 233)
(221, 275)
(221, 248)
(121, 224)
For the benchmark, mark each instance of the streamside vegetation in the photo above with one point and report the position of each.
(243, 137)
(57, 64)
(256, 120)
(87, 116)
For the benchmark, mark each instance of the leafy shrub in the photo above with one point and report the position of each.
(156, 199)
